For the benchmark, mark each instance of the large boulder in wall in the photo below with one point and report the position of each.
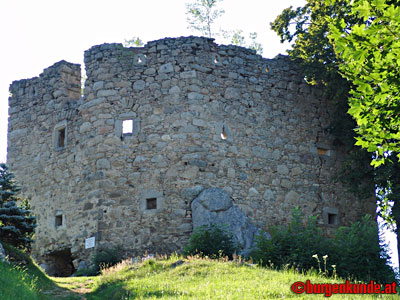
(214, 206)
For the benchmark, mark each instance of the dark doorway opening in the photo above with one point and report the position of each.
(59, 263)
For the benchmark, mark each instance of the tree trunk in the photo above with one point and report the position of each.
(396, 216)
(395, 197)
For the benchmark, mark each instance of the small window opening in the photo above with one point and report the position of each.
(215, 60)
(322, 151)
(61, 138)
(151, 203)
(332, 219)
(266, 69)
(224, 135)
(127, 127)
(59, 220)
(139, 61)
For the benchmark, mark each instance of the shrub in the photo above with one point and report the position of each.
(358, 252)
(105, 258)
(211, 240)
(292, 245)
(87, 272)
(355, 250)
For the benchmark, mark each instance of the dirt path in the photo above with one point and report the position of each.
(70, 288)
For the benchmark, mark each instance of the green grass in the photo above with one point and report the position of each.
(16, 283)
(156, 279)
(23, 279)
(205, 279)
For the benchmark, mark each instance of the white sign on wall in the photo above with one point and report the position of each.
(90, 242)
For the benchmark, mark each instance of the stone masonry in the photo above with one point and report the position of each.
(154, 127)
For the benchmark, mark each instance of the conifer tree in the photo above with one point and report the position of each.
(17, 223)
(8, 187)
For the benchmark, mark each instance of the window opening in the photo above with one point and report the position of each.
(127, 127)
(151, 203)
(332, 219)
(59, 220)
(322, 151)
(224, 135)
(61, 138)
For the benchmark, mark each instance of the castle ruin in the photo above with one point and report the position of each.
(120, 164)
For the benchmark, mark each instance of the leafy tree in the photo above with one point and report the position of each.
(254, 44)
(370, 58)
(387, 182)
(17, 224)
(238, 39)
(134, 42)
(369, 54)
(309, 28)
(202, 14)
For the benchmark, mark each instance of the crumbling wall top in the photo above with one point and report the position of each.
(60, 81)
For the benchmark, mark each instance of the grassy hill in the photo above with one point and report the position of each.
(23, 279)
(163, 279)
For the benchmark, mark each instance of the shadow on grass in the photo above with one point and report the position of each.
(21, 278)
(118, 291)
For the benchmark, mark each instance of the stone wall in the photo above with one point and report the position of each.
(158, 124)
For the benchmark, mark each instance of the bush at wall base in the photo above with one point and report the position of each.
(354, 251)
(211, 240)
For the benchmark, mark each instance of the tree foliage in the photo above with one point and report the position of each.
(308, 28)
(134, 42)
(314, 28)
(8, 186)
(202, 14)
(369, 55)
(17, 224)
(238, 39)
